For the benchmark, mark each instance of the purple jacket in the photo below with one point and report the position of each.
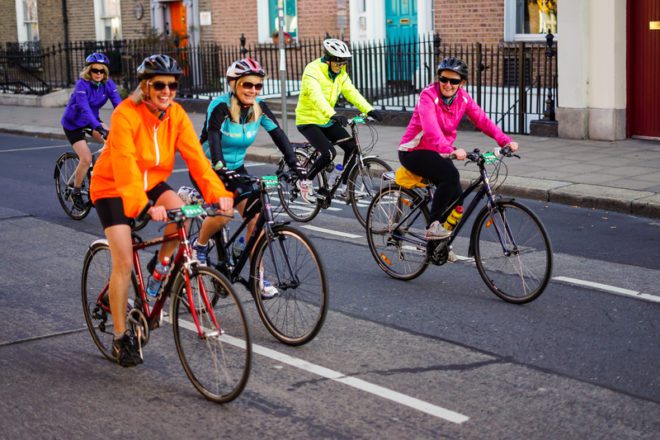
(433, 125)
(86, 100)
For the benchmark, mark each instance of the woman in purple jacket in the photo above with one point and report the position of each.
(427, 144)
(92, 91)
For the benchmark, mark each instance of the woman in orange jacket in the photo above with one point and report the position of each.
(132, 171)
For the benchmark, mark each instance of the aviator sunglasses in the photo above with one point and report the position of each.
(452, 81)
(97, 71)
(248, 85)
(160, 86)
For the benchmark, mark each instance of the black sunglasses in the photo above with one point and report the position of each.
(160, 86)
(98, 71)
(248, 85)
(452, 81)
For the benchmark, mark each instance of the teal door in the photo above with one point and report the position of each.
(401, 39)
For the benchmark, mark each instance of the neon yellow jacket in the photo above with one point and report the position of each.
(319, 94)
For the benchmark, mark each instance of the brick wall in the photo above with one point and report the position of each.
(8, 32)
(459, 21)
(81, 20)
(131, 27)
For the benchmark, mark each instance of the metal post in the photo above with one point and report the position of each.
(282, 44)
(243, 50)
(549, 113)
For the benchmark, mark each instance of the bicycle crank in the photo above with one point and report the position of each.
(137, 322)
(438, 251)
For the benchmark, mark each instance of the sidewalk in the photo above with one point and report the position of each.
(621, 176)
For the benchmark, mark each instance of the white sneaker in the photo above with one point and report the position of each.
(436, 231)
(306, 190)
(266, 288)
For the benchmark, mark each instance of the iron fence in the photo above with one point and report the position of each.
(510, 81)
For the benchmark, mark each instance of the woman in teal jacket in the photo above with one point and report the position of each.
(323, 80)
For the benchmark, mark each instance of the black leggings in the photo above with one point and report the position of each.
(439, 170)
(323, 139)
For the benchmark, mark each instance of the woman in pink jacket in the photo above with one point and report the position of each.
(428, 141)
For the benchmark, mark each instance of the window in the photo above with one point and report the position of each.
(108, 25)
(290, 17)
(529, 20)
(27, 21)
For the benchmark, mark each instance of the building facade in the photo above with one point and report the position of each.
(595, 100)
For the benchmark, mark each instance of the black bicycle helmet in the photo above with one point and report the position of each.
(158, 65)
(455, 65)
(97, 58)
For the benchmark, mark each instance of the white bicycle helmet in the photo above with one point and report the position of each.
(244, 67)
(336, 50)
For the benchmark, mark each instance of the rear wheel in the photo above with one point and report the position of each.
(95, 301)
(291, 265)
(290, 199)
(65, 167)
(512, 252)
(364, 183)
(218, 360)
(396, 228)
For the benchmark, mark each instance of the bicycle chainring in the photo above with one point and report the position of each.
(438, 251)
(137, 322)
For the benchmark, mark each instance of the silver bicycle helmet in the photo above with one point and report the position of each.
(336, 50)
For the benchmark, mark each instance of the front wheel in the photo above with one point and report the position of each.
(363, 184)
(65, 168)
(396, 227)
(216, 355)
(295, 311)
(290, 198)
(512, 252)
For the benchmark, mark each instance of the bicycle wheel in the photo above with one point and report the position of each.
(94, 288)
(290, 199)
(291, 264)
(512, 252)
(396, 227)
(65, 166)
(364, 183)
(218, 362)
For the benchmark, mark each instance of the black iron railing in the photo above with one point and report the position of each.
(511, 81)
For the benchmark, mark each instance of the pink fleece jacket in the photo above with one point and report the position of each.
(433, 125)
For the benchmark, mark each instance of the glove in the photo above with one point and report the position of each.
(227, 175)
(340, 119)
(375, 114)
(300, 171)
(102, 131)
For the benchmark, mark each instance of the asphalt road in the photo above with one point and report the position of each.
(436, 357)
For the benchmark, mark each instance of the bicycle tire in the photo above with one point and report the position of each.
(401, 253)
(522, 276)
(291, 263)
(218, 364)
(94, 283)
(65, 167)
(363, 184)
(290, 200)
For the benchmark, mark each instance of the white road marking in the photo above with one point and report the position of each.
(330, 231)
(48, 147)
(609, 289)
(362, 385)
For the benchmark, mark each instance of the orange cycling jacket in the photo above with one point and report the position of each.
(139, 154)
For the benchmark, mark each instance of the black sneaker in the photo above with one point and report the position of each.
(126, 351)
(77, 199)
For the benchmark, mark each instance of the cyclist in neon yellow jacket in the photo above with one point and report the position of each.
(323, 80)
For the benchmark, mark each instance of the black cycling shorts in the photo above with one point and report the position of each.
(76, 135)
(111, 210)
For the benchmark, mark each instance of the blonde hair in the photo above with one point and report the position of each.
(235, 107)
(87, 76)
(138, 95)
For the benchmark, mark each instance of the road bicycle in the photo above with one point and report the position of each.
(64, 174)
(279, 254)
(363, 176)
(510, 245)
(211, 336)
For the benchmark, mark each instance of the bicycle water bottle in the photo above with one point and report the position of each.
(453, 218)
(156, 279)
(335, 174)
(238, 248)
